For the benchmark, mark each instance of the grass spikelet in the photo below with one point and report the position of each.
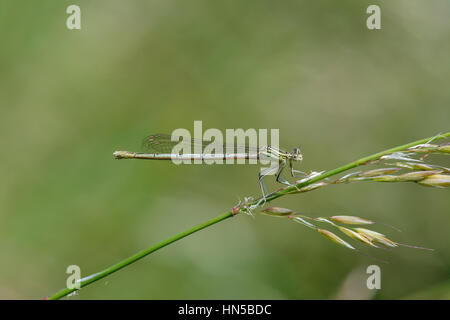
(386, 178)
(428, 148)
(310, 187)
(357, 236)
(331, 236)
(378, 172)
(278, 211)
(377, 237)
(350, 220)
(436, 180)
(444, 148)
(304, 222)
(416, 175)
(420, 166)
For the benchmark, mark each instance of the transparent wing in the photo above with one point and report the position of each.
(158, 143)
(162, 143)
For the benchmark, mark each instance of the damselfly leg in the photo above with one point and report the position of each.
(293, 171)
(284, 181)
(277, 171)
(266, 172)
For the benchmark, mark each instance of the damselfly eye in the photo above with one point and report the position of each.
(297, 154)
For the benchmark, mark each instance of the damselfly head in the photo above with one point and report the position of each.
(297, 155)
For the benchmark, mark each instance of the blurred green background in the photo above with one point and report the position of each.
(312, 69)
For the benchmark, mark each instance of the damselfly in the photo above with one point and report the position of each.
(161, 146)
